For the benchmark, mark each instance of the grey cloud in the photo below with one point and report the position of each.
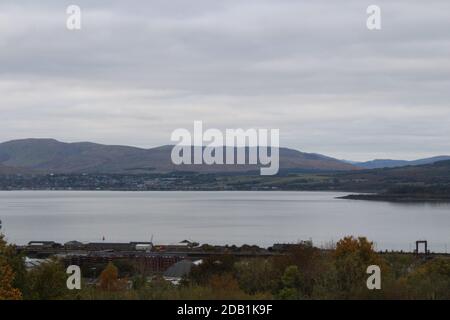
(139, 69)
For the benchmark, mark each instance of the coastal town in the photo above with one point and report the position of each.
(171, 261)
(149, 258)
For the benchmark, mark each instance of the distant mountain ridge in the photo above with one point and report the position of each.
(52, 156)
(388, 163)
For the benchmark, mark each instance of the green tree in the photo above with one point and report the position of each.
(291, 282)
(308, 259)
(256, 275)
(48, 282)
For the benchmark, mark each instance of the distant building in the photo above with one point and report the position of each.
(74, 245)
(115, 246)
(182, 246)
(143, 246)
(44, 244)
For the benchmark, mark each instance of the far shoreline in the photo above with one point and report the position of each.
(395, 198)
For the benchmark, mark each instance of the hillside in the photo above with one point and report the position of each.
(411, 183)
(5, 170)
(436, 173)
(52, 156)
(429, 182)
(388, 163)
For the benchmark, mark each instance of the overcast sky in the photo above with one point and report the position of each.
(137, 70)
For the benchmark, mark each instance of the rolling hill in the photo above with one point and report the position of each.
(52, 156)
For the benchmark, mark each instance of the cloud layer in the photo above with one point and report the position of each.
(138, 70)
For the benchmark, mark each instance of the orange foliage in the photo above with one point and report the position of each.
(109, 279)
(7, 291)
(361, 247)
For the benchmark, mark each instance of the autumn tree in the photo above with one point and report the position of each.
(109, 278)
(430, 280)
(225, 286)
(7, 289)
(352, 257)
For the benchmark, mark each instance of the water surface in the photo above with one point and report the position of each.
(233, 217)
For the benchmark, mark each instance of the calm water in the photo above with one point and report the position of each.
(261, 218)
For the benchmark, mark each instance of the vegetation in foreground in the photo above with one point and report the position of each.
(305, 272)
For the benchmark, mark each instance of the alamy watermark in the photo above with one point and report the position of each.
(74, 279)
(232, 147)
(373, 21)
(73, 21)
(374, 280)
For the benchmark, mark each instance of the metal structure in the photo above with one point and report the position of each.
(425, 243)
